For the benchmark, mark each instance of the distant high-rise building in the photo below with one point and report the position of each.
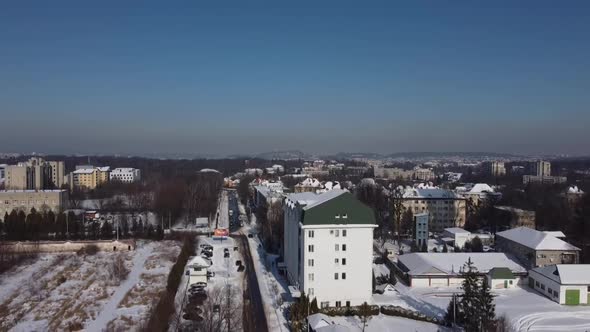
(495, 168)
(540, 168)
(35, 174)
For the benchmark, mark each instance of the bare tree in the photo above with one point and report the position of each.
(398, 211)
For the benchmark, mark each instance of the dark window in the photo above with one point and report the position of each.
(335, 276)
(343, 276)
(344, 247)
(343, 261)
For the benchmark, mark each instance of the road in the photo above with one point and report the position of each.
(254, 316)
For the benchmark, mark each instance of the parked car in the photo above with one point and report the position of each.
(241, 268)
(238, 263)
(210, 274)
(226, 255)
(225, 249)
(199, 284)
(206, 253)
(250, 235)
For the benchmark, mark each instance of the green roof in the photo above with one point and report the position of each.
(501, 273)
(343, 205)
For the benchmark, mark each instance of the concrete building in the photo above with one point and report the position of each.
(421, 229)
(540, 168)
(526, 179)
(25, 200)
(446, 209)
(495, 168)
(125, 175)
(457, 237)
(445, 269)
(534, 248)
(328, 247)
(89, 177)
(2, 173)
(34, 174)
(564, 284)
(514, 217)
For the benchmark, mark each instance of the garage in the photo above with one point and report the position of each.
(572, 296)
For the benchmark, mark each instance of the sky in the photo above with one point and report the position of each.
(225, 77)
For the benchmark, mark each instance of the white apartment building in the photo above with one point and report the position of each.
(125, 175)
(328, 247)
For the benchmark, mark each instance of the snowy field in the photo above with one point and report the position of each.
(72, 292)
(525, 309)
(383, 323)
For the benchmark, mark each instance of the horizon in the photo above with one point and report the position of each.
(200, 79)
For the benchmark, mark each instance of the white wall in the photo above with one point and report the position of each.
(357, 287)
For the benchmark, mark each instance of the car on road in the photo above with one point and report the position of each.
(226, 255)
(206, 253)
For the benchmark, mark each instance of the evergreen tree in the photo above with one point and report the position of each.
(445, 248)
(487, 310)
(424, 247)
(60, 226)
(313, 307)
(106, 231)
(470, 305)
(476, 245)
(149, 231)
(365, 314)
(454, 313)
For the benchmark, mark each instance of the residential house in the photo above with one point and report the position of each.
(564, 284)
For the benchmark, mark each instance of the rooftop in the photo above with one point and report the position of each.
(456, 230)
(452, 263)
(567, 274)
(430, 193)
(84, 171)
(535, 239)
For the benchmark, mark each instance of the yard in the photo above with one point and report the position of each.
(114, 290)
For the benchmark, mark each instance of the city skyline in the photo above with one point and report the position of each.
(337, 77)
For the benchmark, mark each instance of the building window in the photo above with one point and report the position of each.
(310, 262)
(344, 247)
(537, 283)
(338, 304)
(310, 248)
(310, 277)
(337, 216)
(345, 216)
(310, 234)
(549, 290)
(336, 261)
(348, 303)
(344, 232)
(310, 291)
(343, 276)
(337, 247)
(337, 233)
(325, 304)
(343, 261)
(335, 276)
(331, 232)
(543, 286)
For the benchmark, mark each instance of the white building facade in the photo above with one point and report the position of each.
(125, 175)
(328, 247)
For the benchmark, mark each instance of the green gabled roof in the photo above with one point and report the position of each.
(501, 273)
(340, 205)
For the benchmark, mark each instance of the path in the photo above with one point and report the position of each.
(109, 311)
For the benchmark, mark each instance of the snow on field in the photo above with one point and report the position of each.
(525, 309)
(383, 323)
(67, 291)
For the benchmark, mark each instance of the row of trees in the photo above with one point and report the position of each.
(35, 226)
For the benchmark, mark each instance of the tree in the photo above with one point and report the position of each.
(106, 231)
(454, 314)
(424, 247)
(313, 307)
(487, 307)
(445, 248)
(407, 223)
(476, 245)
(365, 314)
(470, 305)
(398, 210)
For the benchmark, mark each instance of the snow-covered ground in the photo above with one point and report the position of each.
(525, 309)
(384, 323)
(67, 291)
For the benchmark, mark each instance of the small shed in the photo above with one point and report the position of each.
(197, 270)
(501, 277)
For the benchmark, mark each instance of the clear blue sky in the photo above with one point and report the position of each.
(321, 76)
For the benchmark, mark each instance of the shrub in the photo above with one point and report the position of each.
(348, 311)
(88, 250)
(391, 310)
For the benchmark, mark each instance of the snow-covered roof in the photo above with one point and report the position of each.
(105, 168)
(555, 233)
(310, 182)
(535, 239)
(198, 261)
(435, 193)
(209, 170)
(333, 328)
(451, 263)
(318, 320)
(456, 230)
(384, 288)
(84, 171)
(481, 188)
(566, 274)
(324, 197)
(574, 190)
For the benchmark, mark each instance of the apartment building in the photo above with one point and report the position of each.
(125, 175)
(328, 247)
(495, 168)
(446, 208)
(421, 229)
(25, 200)
(540, 168)
(34, 174)
(88, 177)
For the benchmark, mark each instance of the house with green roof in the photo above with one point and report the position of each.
(328, 247)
